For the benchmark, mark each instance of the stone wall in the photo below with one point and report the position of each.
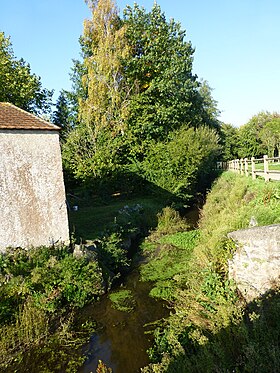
(32, 197)
(255, 266)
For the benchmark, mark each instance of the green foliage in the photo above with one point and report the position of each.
(18, 85)
(169, 221)
(135, 87)
(211, 329)
(183, 240)
(232, 202)
(38, 289)
(168, 265)
(92, 149)
(255, 137)
(123, 300)
(112, 256)
(64, 115)
(52, 278)
(183, 164)
(167, 94)
(270, 136)
(229, 141)
(160, 64)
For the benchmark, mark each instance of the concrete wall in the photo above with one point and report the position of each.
(255, 266)
(32, 197)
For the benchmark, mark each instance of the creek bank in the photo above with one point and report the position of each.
(211, 328)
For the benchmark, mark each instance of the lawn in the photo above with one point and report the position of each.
(94, 215)
(259, 166)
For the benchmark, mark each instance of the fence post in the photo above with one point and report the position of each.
(265, 168)
(253, 168)
(237, 165)
(246, 166)
(241, 166)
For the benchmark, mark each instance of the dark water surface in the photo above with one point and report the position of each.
(121, 341)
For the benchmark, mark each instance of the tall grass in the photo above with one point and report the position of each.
(212, 328)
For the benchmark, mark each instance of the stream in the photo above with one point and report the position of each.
(121, 341)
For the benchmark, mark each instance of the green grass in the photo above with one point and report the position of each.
(211, 329)
(92, 217)
(272, 166)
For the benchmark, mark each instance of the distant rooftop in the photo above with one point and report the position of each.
(12, 117)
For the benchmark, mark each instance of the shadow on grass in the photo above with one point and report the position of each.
(98, 205)
(252, 345)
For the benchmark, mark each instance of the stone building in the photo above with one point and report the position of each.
(33, 208)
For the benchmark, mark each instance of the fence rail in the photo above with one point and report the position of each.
(268, 168)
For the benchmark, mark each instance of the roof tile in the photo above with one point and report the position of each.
(12, 117)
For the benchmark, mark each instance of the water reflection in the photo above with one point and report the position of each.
(122, 339)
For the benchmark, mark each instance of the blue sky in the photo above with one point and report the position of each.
(237, 45)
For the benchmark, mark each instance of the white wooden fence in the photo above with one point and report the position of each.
(268, 168)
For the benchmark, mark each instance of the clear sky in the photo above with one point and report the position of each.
(237, 45)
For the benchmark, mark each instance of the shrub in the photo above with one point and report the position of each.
(178, 165)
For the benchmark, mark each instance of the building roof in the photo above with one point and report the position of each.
(12, 117)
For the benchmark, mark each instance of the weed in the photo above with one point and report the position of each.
(123, 300)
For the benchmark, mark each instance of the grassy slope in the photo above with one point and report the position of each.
(211, 329)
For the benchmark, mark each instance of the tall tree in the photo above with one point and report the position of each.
(135, 88)
(64, 114)
(103, 103)
(168, 94)
(209, 106)
(18, 85)
(161, 64)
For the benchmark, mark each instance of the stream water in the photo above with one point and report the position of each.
(122, 338)
(121, 341)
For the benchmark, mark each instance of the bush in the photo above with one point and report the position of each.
(179, 164)
(52, 277)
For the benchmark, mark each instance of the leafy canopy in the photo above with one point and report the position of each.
(136, 91)
(18, 85)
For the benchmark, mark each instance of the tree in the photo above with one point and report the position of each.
(135, 87)
(270, 136)
(229, 141)
(250, 139)
(64, 115)
(105, 106)
(103, 99)
(183, 164)
(161, 65)
(167, 94)
(18, 85)
(209, 106)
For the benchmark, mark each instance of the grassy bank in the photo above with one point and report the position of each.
(212, 328)
(42, 289)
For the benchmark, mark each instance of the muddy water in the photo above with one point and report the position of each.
(121, 341)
